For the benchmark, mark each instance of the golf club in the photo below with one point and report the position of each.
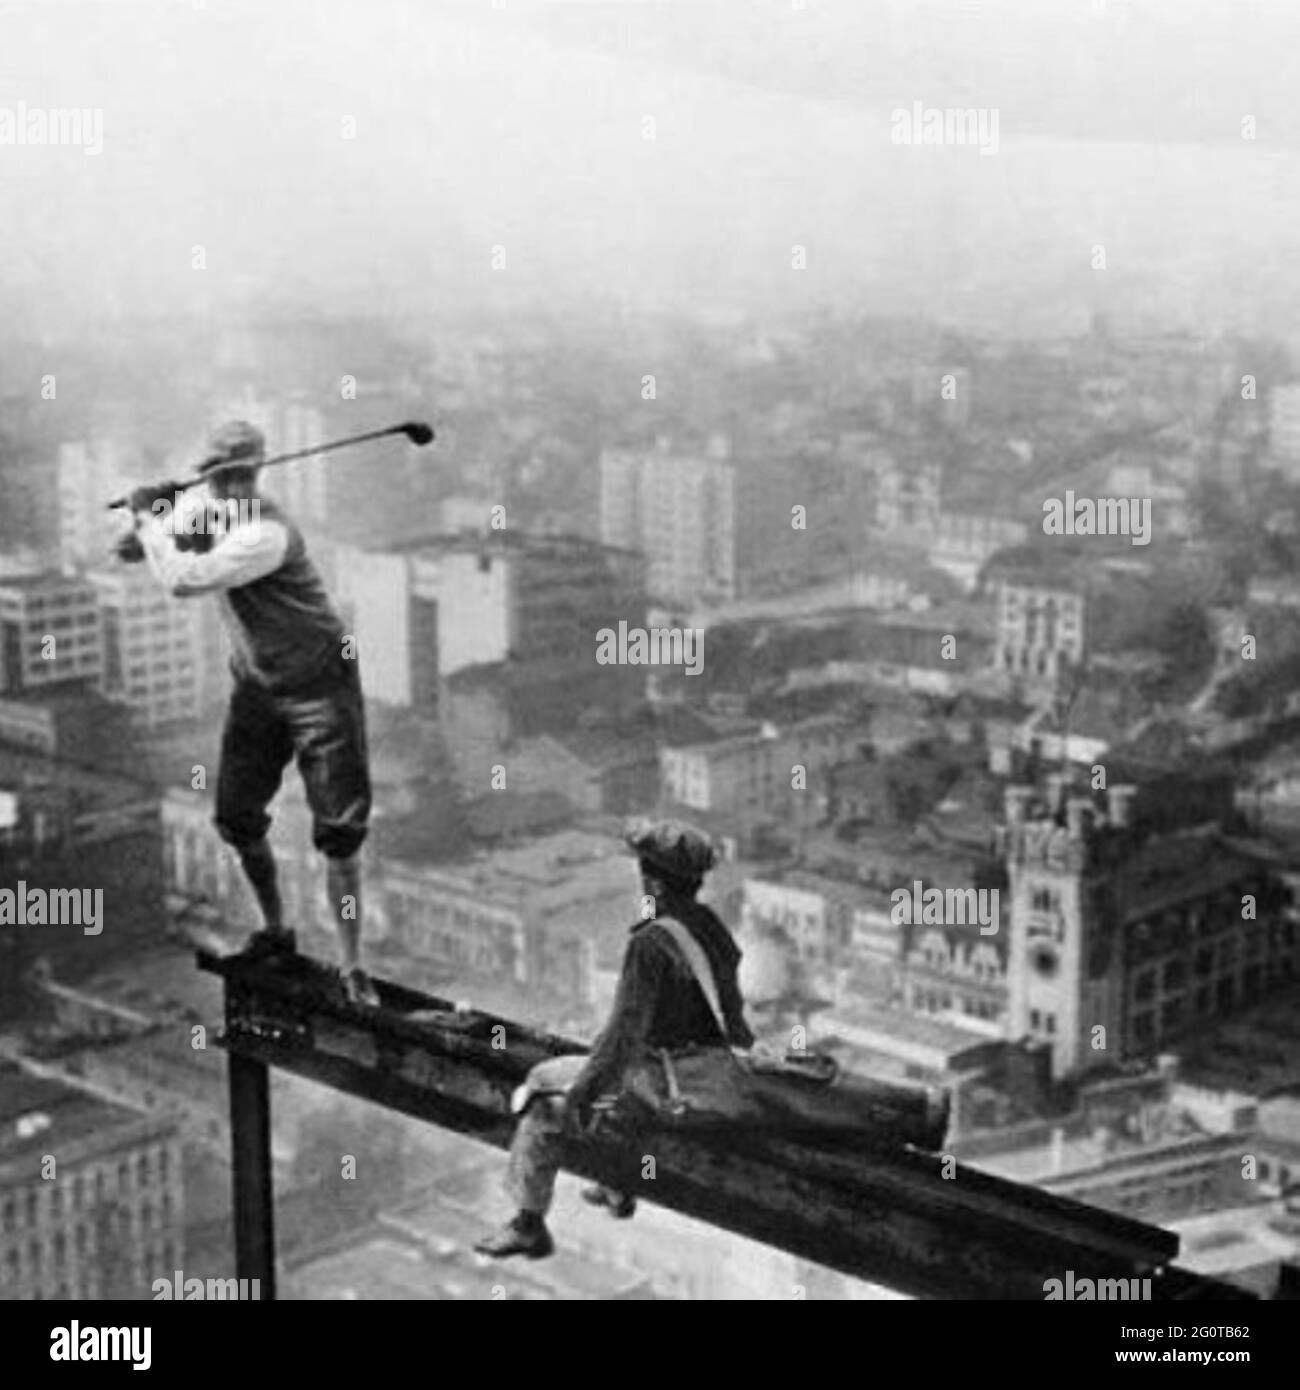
(416, 431)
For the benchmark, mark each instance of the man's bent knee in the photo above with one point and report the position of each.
(339, 842)
(244, 832)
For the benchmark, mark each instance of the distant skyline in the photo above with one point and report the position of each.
(478, 128)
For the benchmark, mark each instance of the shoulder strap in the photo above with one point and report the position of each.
(699, 966)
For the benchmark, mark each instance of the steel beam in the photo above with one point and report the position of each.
(251, 1173)
(890, 1215)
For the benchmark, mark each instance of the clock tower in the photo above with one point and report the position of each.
(1064, 971)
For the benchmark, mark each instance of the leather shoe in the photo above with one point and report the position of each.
(619, 1204)
(516, 1237)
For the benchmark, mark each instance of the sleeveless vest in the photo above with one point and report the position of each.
(284, 632)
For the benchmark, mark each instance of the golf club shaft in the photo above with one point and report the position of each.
(186, 483)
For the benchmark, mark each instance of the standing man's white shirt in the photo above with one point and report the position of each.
(244, 550)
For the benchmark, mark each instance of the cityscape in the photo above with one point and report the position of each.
(974, 649)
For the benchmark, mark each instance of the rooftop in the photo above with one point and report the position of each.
(36, 1113)
(88, 789)
(503, 541)
(46, 580)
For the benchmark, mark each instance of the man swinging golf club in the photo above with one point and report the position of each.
(297, 690)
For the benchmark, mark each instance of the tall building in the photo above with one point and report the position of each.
(715, 528)
(1040, 628)
(90, 475)
(50, 632)
(1129, 929)
(152, 657)
(426, 611)
(108, 1218)
(1284, 430)
(679, 509)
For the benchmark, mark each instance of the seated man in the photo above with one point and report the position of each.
(659, 1005)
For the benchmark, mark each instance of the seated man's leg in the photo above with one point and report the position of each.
(535, 1155)
(530, 1181)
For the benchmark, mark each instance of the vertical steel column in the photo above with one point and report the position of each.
(251, 1176)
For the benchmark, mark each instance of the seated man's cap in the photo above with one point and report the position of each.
(675, 847)
(232, 442)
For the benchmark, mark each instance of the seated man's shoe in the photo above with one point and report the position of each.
(524, 1234)
(271, 943)
(619, 1204)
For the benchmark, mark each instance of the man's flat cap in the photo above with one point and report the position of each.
(233, 442)
(673, 846)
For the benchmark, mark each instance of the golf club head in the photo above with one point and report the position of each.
(417, 432)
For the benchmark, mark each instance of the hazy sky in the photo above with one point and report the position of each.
(522, 127)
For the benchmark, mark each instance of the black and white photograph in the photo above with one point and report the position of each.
(649, 651)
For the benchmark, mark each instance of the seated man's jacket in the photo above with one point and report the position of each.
(660, 1005)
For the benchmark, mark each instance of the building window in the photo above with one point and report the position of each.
(1049, 1023)
(1035, 1020)
(1144, 988)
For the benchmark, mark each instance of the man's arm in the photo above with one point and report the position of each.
(629, 1021)
(239, 556)
(739, 1032)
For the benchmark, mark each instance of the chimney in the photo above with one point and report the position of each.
(1016, 802)
(1078, 817)
(1119, 806)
